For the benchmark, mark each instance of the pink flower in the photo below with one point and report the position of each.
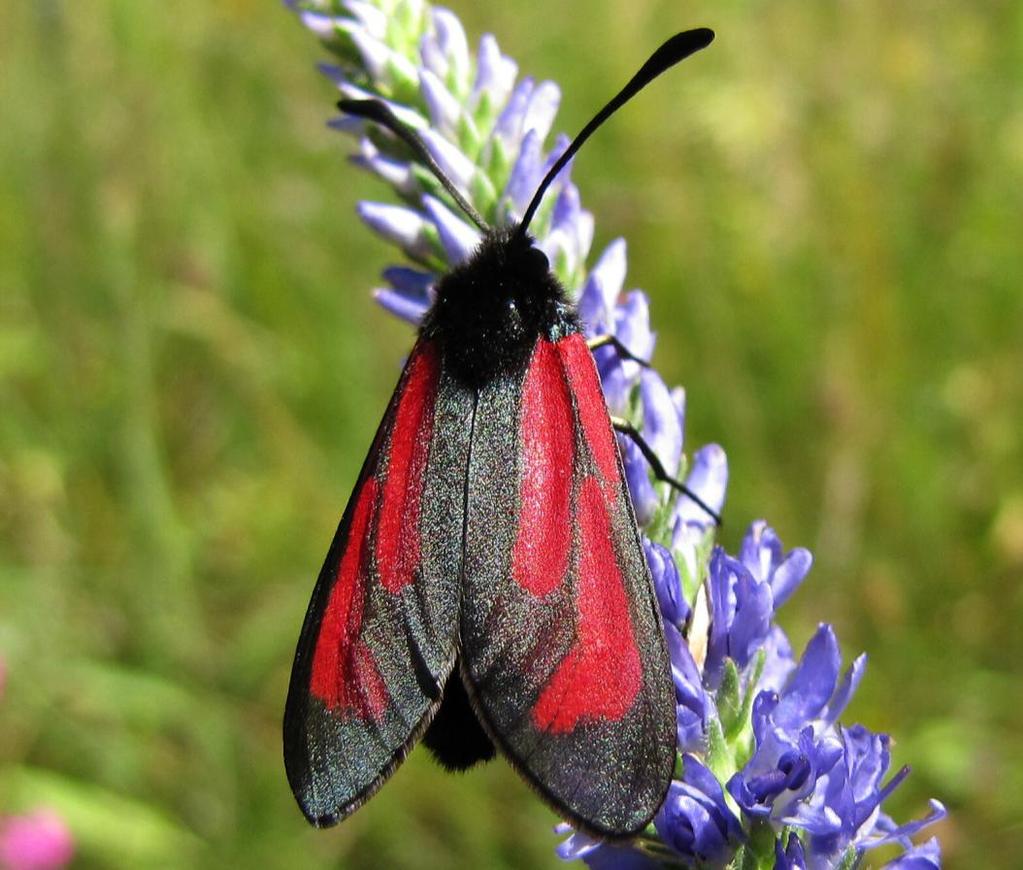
(37, 841)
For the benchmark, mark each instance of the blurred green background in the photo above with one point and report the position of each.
(826, 210)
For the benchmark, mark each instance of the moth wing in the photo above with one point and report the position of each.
(562, 646)
(380, 635)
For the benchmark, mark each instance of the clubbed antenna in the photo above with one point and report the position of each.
(676, 49)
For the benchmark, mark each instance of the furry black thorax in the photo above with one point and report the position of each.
(491, 309)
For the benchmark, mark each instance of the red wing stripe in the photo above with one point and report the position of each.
(397, 536)
(344, 673)
(544, 537)
(602, 674)
(582, 376)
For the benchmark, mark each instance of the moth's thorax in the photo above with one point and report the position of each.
(491, 309)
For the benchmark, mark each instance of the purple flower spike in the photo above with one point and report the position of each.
(695, 819)
(402, 226)
(615, 382)
(411, 282)
(459, 168)
(846, 689)
(886, 831)
(445, 51)
(354, 92)
(571, 230)
(410, 295)
(637, 475)
(843, 811)
(602, 288)
(601, 855)
(541, 109)
(525, 174)
(567, 209)
(692, 705)
(812, 693)
(805, 773)
(397, 173)
(678, 398)
(792, 857)
(401, 306)
(632, 328)
(813, 683)
(708, 478)
(667, 584)
(761, 552)
(495, 73)
(323, 26)
(561, 143)
(367, 15)
(578, 844)
(741, 610)
(926, 856)
(778, 661)
(458, 239)
(444, 109)
(378, 57)
(508, 129)
(660, 420)
(785, 767)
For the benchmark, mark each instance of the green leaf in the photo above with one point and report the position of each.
(719, 757)
(406, 25)
(850, 860)
(483, 195)
(760, 843)
(744, 860)
(469, 139)
(485, 115)
(404, 81)
(428, 183)
(497, 164)
(743, 719)
(343, 47)
(729, 701)
(435, 261)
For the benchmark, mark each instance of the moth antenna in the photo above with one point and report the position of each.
(676, 49)
(380, 113)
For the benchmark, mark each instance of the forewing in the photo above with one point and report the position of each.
(562, 647)
(380, 635)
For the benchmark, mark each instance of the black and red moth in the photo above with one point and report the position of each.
(487, 586)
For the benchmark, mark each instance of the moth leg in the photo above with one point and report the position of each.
(621, 349)
(626, 428)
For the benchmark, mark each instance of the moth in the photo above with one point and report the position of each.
(487, 587)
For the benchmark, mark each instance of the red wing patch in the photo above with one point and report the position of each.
(344, 675)
(397, 534)
(380, 636)
(562, 650)
(344, 672)
(602, 674)
(544, 538)
(590, 405)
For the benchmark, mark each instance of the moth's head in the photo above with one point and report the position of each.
(491, 309)
(494, 306)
